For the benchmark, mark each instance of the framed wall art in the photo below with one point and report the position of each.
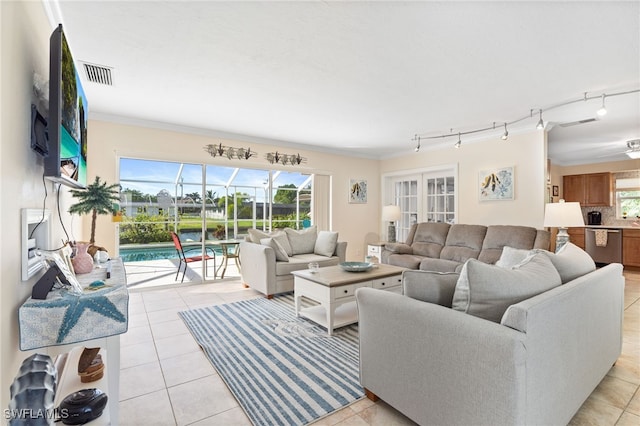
(357, 191)
(496, 184)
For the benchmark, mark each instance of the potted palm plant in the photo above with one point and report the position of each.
(97, 198)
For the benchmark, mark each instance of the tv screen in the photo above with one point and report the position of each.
(68, 114)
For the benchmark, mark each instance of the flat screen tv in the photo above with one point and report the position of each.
(66, 162)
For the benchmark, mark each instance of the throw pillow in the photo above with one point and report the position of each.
(571, 262)
(303, 241)
(256, 236)
(486, 291)
(511, 257)
(281, 254)
(326, 243)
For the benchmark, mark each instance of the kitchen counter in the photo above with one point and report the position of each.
(614, 226)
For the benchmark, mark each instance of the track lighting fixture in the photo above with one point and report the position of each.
(540, 124)
(603, 110)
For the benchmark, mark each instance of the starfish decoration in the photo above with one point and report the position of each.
(76, 305)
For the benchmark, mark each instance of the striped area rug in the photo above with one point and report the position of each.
(283, 370)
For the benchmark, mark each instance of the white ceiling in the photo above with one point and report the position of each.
(362, 78)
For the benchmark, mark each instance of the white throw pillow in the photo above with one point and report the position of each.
(256, 236)
(571, 262)
(511, 257)
(486, 291)
(303, 241)
(281, 254)
(326, 243)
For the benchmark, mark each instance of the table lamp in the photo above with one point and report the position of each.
(562, 215)
(391, 214)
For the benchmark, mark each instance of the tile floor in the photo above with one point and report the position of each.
(165, 379)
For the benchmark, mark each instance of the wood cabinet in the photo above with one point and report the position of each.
(590, 190)
(576, 236)
(631, 247)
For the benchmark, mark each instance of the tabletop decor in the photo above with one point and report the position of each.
(356, 266)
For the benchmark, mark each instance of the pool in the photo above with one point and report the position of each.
(139, 253)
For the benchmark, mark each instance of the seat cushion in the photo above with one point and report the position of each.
(486, 291)
(301, 261)
(439, 265)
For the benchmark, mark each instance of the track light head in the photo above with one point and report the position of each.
(457, 145)
(603, 110)
(418, 146)
(540, 124)
(505, 135)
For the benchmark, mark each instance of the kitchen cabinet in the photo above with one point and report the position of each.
(576, 236)
(590, 190)
(631, 247)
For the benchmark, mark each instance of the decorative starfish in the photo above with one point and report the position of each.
(76, 305)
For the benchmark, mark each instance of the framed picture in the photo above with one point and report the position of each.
(357, 191)
(556, 190)
(496, 184)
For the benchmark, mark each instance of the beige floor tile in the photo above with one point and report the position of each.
(383, 414)
(634, 405)
(165, 315)
(336, 417)
(614, 391)
(138, 354)
(141, 380)
(628, 419)
(135, 335)
(193, 300)
(138, 320)
(185, 368)
(361, 404)
(153, 409)
(164, 304)
(234, 416)
(199, 399)
(355, 420)
(166, 329)
(596, 413)
(176, 345)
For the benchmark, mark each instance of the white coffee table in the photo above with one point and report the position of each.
(334, 289)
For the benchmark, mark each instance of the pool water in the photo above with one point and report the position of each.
(139, 253)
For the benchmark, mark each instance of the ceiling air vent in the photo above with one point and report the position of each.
(575, 123)
(98, 74)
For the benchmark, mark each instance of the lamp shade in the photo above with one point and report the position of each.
(563, 215)
(391, 213)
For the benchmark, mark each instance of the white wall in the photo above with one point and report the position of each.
(109, 141)
(24, 43)
(526, 152)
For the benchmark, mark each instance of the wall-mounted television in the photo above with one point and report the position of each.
(66, 161)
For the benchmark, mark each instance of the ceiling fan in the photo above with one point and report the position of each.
(634, 148)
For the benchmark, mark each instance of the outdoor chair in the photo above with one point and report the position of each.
(210, 254)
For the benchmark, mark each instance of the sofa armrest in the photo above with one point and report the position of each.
(438, 366)
(258, 267)
(398, 248)
(429, 286)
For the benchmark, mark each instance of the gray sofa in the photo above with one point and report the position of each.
(435, 246)
(536, 364)
(268, 259)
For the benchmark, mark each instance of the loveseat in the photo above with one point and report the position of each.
(268, 259)
(522, 344)
(436, 246)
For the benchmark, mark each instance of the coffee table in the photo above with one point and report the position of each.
(334, 289)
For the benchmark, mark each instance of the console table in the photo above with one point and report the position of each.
(94, 318)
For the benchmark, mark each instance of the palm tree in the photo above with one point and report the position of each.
(97, 198)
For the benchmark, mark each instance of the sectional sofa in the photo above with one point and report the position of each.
(435, 246)
(522, 344)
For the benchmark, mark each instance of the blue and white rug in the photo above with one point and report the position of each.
(283, 370)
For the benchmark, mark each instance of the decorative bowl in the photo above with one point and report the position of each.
(356, 266)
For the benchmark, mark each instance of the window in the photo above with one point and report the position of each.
(628, 197)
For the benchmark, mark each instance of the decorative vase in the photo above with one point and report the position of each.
(82, 261)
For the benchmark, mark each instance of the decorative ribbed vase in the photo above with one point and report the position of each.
(82, 261)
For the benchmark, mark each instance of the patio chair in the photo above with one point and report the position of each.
(184, 259)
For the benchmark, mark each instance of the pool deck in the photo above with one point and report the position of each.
(162, 273)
